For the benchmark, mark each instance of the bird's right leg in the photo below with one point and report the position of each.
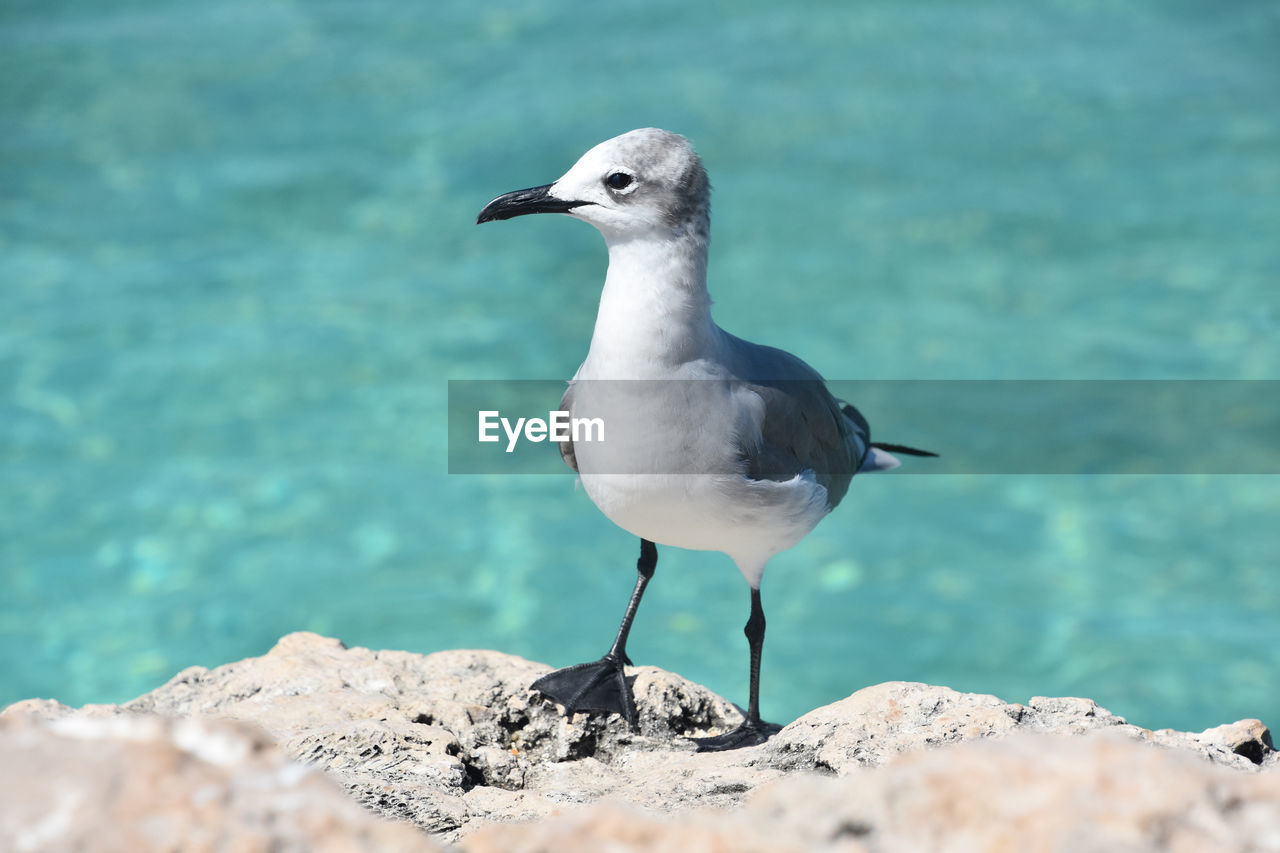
(753, 731)
(602, 685)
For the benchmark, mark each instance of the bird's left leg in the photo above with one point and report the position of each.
(753, 731)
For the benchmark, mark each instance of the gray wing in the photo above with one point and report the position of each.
(804, 427)
(566, 447)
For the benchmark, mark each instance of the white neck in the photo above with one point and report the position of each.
(655, 312)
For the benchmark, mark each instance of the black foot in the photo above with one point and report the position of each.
(750, 733)
(597, 686)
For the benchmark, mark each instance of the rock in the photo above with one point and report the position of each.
(134, 783)
(879, 722)
(1247, 739)
(454, 741)
(1100, 792)
(619, 827)
(447, 739)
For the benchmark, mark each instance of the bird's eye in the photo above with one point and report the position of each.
(618, 181)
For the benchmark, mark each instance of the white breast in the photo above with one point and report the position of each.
(746, 519)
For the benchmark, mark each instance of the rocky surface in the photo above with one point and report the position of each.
(1100, 792)
(140, 783)
(456, 744)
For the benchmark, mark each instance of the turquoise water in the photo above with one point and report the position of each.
(238, 267)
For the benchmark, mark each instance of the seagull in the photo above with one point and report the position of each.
(721, 444)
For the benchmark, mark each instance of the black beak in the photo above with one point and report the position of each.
(520, 202)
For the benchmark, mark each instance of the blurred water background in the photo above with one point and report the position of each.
(238, 267)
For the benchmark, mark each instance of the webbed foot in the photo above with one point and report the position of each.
(597, 686)
(750, 733)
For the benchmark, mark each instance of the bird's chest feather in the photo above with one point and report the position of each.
(667, 427)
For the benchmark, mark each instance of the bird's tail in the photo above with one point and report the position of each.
(902, 448)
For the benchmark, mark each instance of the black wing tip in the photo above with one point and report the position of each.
(854, 415)
(902, 448)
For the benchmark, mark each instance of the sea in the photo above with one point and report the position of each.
(239, 268)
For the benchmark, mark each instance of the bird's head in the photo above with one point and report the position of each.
(641, 182)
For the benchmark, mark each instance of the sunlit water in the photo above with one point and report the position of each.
(238, 267)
